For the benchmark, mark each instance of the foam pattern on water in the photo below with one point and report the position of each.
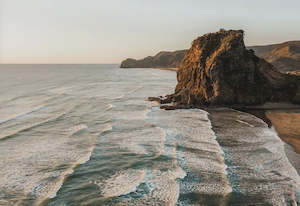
(258, 168)
(198, 154)
(40, 148)
(91, 139)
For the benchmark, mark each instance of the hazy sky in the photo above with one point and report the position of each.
(107, 31)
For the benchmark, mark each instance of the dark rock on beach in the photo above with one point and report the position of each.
(219, 70)
(155, 99)
(168, 107)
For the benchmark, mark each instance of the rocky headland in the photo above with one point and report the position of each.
(163, 59)
(285, 57)
(218, 70)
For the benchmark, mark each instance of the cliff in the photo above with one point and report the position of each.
(219, 70)
(161, 60)
(285, 56)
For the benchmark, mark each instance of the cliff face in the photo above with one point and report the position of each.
(219, 70)
(161, 60)
(285, 56)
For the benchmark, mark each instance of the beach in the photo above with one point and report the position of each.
(287, 125)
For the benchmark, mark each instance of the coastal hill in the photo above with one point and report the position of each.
(163, 59)
(285, 56)
(219, 70)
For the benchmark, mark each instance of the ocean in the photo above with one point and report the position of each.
(86, 135)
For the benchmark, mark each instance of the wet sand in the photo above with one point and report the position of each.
(284, 117)
(259, 178)
(287, 125)
(285, 120)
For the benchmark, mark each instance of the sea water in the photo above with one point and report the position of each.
(86, 135)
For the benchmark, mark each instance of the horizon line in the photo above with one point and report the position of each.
(57, 63)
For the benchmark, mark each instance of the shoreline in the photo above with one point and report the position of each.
(161, 68)
(170, 69)
(287, 125)
(284, 117)
(250, 147)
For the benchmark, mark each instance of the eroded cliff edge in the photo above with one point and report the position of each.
(219, 70)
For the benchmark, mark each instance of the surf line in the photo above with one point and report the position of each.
(231, 174)
(64, 176)
(169, 145)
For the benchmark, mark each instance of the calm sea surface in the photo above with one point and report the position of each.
(85, 135)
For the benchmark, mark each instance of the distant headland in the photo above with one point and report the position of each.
(164, 59)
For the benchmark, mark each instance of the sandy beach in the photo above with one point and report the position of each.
(287, 125)
(284, 117)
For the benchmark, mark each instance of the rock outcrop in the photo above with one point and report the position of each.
(219, 70)
(161, 60)
(285, 57)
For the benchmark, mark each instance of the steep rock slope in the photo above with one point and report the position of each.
(219, 70)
